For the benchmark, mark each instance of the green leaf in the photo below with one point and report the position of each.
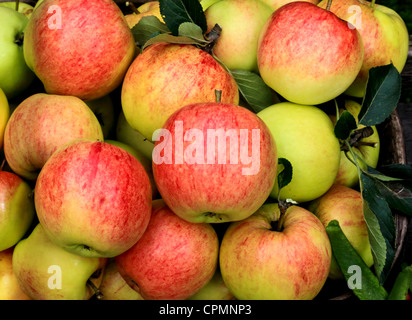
(381, 226)
(164, 37)
(146, 28)
(368, 288)
(398, 170)
(176, 12)
(193, 31)
(345, 125)
(382, 94)
(285, 176)
(402, 284)
(253, 89)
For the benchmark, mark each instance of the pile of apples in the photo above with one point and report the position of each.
(175, 194)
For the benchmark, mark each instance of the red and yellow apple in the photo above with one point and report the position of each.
(276, 4)
(173, 259)
(164, 78)
(79, 48)
(93, 198)
(40, 125)
(307, 54)
(260, 262)
(214, 162)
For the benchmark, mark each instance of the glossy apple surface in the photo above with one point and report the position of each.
(93, 198)
(307, 54)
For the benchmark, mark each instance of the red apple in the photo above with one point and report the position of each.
(260, 262)
(214, 162)
(79, 48)
(164, 78)
(93, 198)
(41, 124)
(173, 259)
(307, 54)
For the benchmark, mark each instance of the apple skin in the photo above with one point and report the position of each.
(32, 258)
(241, 22)
(215, 289)
(305, 136)
(218, 191)
(384, 34)
(307, 54)
(164, 78)
(345, 205)
(12, 60)
(348, 172)
(87, 55)
(276, 4)
(166, 263)
(259, 263)
(150, 8)
(4, 115)
(9, 287)
(16, 209)
(41, 124)
(93, 198)
(114, 287)
(126, 134)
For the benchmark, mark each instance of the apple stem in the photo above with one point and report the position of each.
(17, 5)
(132, 6)
(3, 164)
(329, 5)
(373, 4)
(97, 292)
(218, 95)
(283, 207)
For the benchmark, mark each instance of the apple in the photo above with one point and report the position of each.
(215, 289)
(260, 262)
(114, 287)
(241, 22)
(346, 206)
(173, 259)
(104, 110)
(276, 4)
(126, 134)
(4, 115)
(45, 271)
(16, 209)
(164, 78)
(15, 75)
(384, 34)
(367, 149)
(305, 136)
(79, 49)
(307, 54)
(9, 287)
(145, 162)
(40, 125)
(24, 8)
(214, 162)
(150, 8)
(93, 198)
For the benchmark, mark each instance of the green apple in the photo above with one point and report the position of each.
(103, 108)
(346, 206)
(241, 22)
(4, 115)
(16, 209)
(15, 75)
(9, 287)
(384, 35)
(305, 136)
(215, 289)
(114, 287)
(207, 3)
(367, 149)
(46, 271)
(260, 261)
(125, 133)
(146, 163)
(24, 8)
(310, 59)
(40, 125)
